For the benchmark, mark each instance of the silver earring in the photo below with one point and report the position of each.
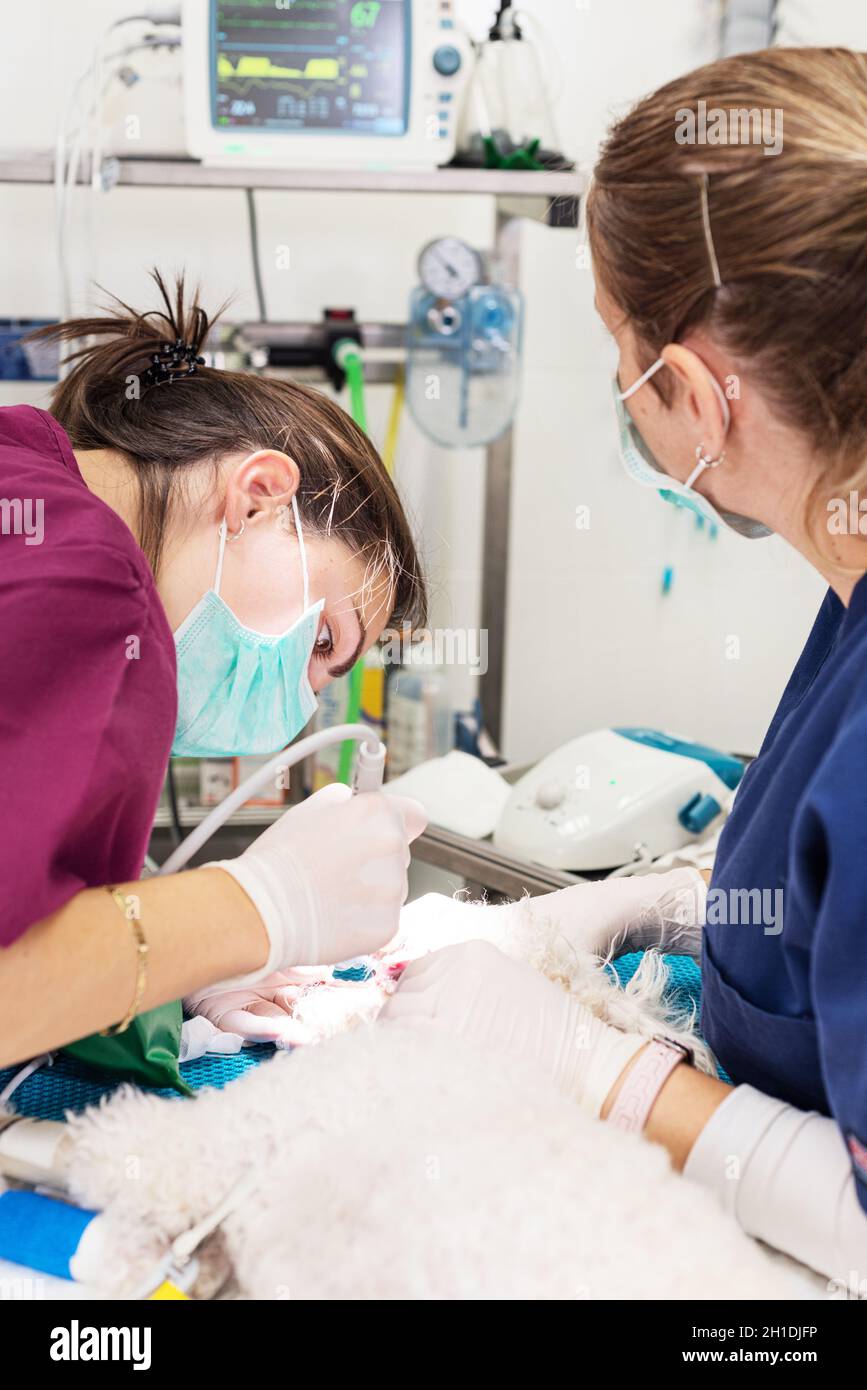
(706, 460)
(238, 534)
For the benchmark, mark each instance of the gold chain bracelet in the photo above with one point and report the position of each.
(129, 907)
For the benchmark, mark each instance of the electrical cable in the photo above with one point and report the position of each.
(153, 14)
(552, 67)
(66, 175)
(254, 252)
(174, 813)
(44, 1059)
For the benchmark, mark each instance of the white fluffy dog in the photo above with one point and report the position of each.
(399, 1163)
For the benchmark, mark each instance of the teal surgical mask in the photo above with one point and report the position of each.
(241, 691)
(642, 467)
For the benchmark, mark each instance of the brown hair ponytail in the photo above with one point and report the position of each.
(107, 401)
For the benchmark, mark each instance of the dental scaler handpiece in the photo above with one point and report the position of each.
(370, 766)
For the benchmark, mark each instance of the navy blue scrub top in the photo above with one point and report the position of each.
(786, 1010)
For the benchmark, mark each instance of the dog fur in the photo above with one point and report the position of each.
(395, 1163)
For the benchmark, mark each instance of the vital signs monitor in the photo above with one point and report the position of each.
(339, 84)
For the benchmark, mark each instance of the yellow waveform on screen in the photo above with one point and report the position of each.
(322, 69)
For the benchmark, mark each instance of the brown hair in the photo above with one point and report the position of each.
(105, 402)
(789, 232)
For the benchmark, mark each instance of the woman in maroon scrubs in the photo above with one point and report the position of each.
(113, 510)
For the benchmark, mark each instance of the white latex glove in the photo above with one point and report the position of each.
(329, 877)
(260, 1013)
(627, 914)
(477, 993)
(614, 915)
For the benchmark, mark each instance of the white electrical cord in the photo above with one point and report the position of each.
(552, 68)
(369, 769)
(44, 1058)
(641, 858)
(154, 14)
(65, 177)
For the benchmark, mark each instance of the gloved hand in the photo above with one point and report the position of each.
(329, 877)
(477, 993)
(615, 914)
(627, 914)
(260, 1013)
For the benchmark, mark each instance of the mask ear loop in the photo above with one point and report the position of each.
(704, 460)
(223, 532)
(303, 550)
(645, 376)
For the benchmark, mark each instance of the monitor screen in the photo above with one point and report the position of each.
(322, 66)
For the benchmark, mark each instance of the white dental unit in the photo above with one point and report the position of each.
(614, 796)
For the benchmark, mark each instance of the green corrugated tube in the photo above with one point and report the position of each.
(347, 354)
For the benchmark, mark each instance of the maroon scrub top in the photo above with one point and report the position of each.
(88, 698)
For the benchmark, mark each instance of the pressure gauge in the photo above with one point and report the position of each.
(449, 268)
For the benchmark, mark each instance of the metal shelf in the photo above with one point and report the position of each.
(480, 863)
(190, 173)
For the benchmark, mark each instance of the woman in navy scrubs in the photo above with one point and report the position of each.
(721, 264)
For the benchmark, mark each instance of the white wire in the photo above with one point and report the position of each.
(21, 1076)
(551, 65)
(96, 110)
(98, 67)
(65, 182)
(66, 178)
(60, 192)
(643, 857)
(323, 738)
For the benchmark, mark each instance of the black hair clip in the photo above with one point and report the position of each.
(174, 360)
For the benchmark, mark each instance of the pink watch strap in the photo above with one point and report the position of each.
(643, 1083)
